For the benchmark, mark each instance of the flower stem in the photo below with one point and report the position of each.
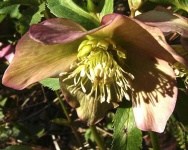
(132, 13)
(69, 120)
(97, 137)
(154, 140)
(91, 6)
(46, 10)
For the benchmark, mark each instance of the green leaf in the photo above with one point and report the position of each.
(11, 7)
(61, 121)
(179, 4)
(181, 109)
(18, 147)
(6, 133)
(37, 16)
(1, 114)
(88, 135)
(179, 132)
(20, 2)
(52, 83)
(26, 12)
(107, 8)
(126, 135)
(33, 14)
(40, 133)
(12, 10)
(68, 9)
(2, 17)
(2, 103)
(22, 128)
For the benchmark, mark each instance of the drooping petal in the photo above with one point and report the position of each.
(34, 61)
(154, 91)
(166, 20)
(91, 110)
(88, 108)
(133, 34)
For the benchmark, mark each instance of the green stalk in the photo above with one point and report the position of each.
(46, 11)
(91, 6)
(97, 137)
(154, 140)
(132, 15)
(69, 120)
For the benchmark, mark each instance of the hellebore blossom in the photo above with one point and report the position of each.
(123, 58)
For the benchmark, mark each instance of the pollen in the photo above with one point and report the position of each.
(98, 72)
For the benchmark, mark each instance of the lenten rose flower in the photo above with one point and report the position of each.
(123, 58)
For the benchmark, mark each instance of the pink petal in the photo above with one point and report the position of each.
(155, 92)
(92, 110)
(133, 34)
(89, 109)
(34, 61)
(4, 51)
(7, 52)
(166, 20)
(9, 57)
(58, 30)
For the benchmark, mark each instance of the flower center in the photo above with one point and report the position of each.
(98, 68)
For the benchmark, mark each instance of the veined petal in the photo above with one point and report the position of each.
(133, 34)
(59, 30)
(91, 110)
(155, 92)
(34, 61)
(166, 20)
(88, 108)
